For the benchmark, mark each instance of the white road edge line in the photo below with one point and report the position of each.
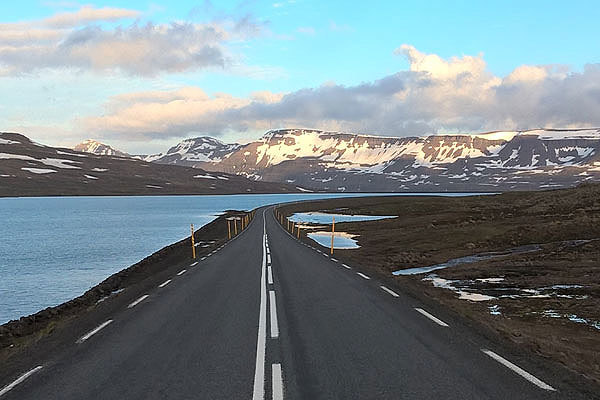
(194, 264)
(333, 259)
(277, 382)
(389, 291)
(518, 370)
(203, 258)
(362, 275)
(165, 283)
(138, 301)
(273, 308)
(181, 272)
(20, 379)
(94, 331)
(261, 341)
(270, 275)
(345, 266)
(431, 317)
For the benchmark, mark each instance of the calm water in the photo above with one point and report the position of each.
(54, 249)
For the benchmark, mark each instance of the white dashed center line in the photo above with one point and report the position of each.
(389, 291)
(165, 283)
(22, 378)
(431, 317)
(203, 258)
(334, 260)
(345, 266)
(181, 272)
(518, 370)
(94, 331)
(270, 275)
(138, 301)
(273, 308)
(194, 264)
(362, 275)
(277, 382)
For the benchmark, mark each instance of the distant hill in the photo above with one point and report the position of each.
(32, 169)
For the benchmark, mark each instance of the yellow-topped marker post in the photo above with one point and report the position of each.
(332, 233)
(193, 244)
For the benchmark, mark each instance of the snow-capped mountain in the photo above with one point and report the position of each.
(100, 149)
(195, 152)
(532, 159)
(336, 161)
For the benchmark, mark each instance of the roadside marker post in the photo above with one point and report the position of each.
(193, 245)
(332, 233)
(235, 226)
(229, 229)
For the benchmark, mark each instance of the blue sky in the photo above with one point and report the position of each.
(298, 46)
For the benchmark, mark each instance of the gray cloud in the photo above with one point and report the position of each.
(435, 95)
(72, 40)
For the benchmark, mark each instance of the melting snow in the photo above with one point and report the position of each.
(205, 176)
(38, 170)
(99, 169)
(91, 176)
(6, 141)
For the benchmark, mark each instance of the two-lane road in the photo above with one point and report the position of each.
(269, 317)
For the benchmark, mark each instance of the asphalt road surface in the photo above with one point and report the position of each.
(267, 317)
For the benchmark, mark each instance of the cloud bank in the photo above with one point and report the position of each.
(86, 39)
(435, 95)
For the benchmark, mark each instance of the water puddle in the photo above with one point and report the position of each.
(327, 218)
(341, 240)
(469, 259)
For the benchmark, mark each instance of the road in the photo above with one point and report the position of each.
(267, 317)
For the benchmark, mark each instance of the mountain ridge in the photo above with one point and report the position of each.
(341, 161)
(28, 168)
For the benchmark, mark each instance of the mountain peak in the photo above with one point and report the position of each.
(95, 147)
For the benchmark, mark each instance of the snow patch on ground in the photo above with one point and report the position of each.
(204, 177)
(91, 177)
(38, 170)
(6, 141)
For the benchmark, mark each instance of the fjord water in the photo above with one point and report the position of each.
(54, 249)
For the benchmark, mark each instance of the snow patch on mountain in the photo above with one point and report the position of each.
(98, 148)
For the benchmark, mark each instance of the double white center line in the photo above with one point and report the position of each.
(259, 371)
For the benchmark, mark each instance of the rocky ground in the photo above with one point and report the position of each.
(546, 300)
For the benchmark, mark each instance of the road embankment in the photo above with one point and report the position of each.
(544, 301)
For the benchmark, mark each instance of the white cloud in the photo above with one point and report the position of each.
(80, 40)
(435, 94)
